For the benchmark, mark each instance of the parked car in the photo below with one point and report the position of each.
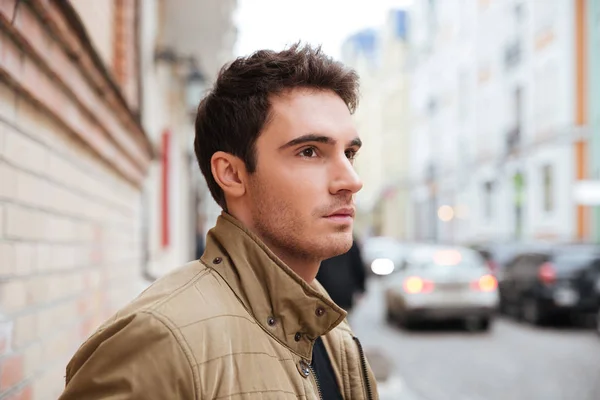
(498, 254)
(539, 286)
(598, 321)
(598, 306)
(441, 283)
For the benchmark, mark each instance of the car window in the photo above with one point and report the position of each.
(596, 265)
(503, 254)
(461, 264)
(574, 260)
(444, 257)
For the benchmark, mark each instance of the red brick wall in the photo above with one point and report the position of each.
(72, 160)
(125, 58)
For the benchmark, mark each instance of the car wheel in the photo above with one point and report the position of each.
(389, 315)
(477, 324)
(531, 312)
(405, 322)
(503, 308)
(486, 324)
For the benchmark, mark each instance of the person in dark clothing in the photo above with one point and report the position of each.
(344, 277)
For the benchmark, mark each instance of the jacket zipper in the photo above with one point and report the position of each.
(314, 374)
(363, 364)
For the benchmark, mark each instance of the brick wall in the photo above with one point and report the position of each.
(98, 18)
(70, 250)
(125, 60)
(69, 246)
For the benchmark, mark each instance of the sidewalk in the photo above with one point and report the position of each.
(390, 384)
(395, 388)
(369, 314)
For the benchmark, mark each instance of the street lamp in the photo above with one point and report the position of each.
(195, 88)
(195, 81)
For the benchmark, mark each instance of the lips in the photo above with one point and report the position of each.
(342, 212)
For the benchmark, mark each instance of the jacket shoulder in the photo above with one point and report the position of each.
(202, 301)
(121, 361)
(191, 293)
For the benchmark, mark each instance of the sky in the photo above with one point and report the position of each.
(274, 24)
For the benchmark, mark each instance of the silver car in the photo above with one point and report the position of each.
(437, 283)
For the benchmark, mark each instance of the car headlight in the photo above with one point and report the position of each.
(382, 266)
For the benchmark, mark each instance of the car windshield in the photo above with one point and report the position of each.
(573, 261)
(503, 254)
(435, 258)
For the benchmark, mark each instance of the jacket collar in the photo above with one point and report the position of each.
(287, 307)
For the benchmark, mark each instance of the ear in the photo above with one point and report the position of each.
(228, 171)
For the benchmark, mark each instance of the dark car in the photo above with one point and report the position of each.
(598, 306)
(498, 254)
(598, 316)
(558, 282)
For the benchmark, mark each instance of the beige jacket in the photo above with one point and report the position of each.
(239, 324)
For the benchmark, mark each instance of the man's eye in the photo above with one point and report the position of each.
(308, 152)
(351, 154)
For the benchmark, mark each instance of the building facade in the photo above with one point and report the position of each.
(383, 119)
(96, 184)
(593, 48)
(501, 132)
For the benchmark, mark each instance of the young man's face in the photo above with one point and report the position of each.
(301, 193)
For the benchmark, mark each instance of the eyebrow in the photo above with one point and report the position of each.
(311, 137)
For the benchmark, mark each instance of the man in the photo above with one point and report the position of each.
(275, 142)
(343, 277)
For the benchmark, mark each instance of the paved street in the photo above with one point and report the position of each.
(513, 361)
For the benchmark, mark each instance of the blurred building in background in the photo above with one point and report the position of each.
(501, 136)
(187, 42)
(383, 119)
(593, 56)
(96, 165)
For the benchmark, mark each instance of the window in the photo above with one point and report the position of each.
(518, 106)
(513, 138)
(488, 200)
(548, 188)
(519, 200)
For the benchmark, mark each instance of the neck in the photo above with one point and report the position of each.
(306, 269)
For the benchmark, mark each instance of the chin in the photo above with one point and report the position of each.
(338, 243)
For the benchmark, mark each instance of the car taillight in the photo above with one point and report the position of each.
(547, 273)
(486, 283)
(414, 285)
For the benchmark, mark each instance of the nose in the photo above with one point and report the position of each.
(344, 177)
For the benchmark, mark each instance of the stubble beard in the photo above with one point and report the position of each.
(285, 231)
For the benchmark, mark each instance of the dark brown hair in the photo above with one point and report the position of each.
(232, 115)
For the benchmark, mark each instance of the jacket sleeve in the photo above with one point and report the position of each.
(133, 358)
